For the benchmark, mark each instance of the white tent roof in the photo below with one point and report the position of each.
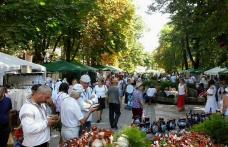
(8, 63)
(214, 71)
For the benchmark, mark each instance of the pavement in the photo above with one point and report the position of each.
(153, 111)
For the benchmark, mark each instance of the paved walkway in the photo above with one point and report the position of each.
(154, 112)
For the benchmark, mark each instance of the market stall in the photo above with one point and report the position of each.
(86, 67)
(63, 66)
(19, 75)
(108, 68)
(194, 130)
(224, 72)
(13, 68)
(70, 70)
(214, 71)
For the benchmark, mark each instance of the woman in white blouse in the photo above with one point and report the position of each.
(211, 104)
(100, 90)
(182, 92)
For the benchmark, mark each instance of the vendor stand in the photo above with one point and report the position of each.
(70, 70)
(19, 76)
(214, 71)
(224, 72)
(11, 67)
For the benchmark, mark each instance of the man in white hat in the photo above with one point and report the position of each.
(87, 97)
(71, 115)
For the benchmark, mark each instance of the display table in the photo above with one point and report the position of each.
(96, 138)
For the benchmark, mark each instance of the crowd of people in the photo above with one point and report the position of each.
(210, 87)
(70, 106)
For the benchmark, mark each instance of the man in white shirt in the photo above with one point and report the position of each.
(150, 93)
(87, 97)
(173, 79)
(35, 123)
(71, 114)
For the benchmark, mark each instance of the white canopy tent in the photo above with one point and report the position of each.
(11, 63)
(214, 71)
(8, 63)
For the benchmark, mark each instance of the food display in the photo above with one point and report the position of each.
(87, 105)
(96, 138)
(183, 140)
(172, 133)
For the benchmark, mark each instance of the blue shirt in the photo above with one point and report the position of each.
(5, 107)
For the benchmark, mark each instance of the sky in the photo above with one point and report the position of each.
(153, 24)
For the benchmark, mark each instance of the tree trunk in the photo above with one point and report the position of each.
(76, 50)
(37, 55)
(48, 42)
(197, 60)
(57, 42)
(184, 54)
(188, 49)
(67, 48)
(72, 45)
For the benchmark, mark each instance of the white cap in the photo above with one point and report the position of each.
(85, 78)
(78, 88)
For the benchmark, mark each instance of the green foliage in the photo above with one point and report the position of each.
(150, 82)
(168, 55)
(83, 29)
(167, 84)
(39, 25)
(110, 145)
(195, 34)
(216, 127)
(111, 29)
(136, 137)
(131, 58)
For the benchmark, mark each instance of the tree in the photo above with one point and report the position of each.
(111, 29)
(197, 31)
(85, 30)
(39, 25)
(169, 54)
